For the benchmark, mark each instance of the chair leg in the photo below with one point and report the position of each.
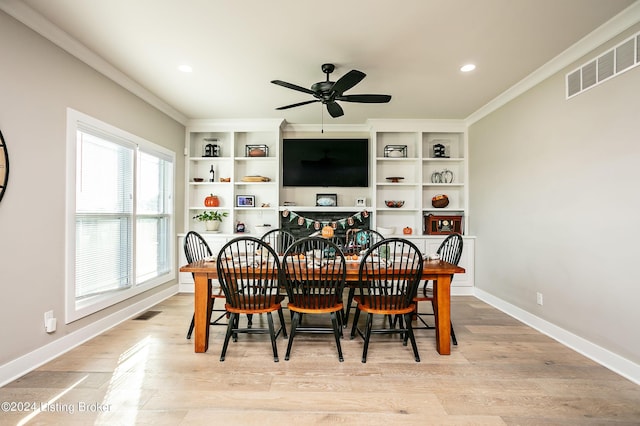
(412, 337)
(294, 326)
(282, 324)
(337, 332)
(228, 336)
(352, 292)
(193, 323)
(367, 336)
(453, 336)
(354, 326)
(272, 332)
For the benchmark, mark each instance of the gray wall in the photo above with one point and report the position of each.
(39, 81)
(555, 197)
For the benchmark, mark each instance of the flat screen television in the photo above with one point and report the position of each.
(325, 162)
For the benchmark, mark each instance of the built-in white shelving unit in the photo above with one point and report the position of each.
(418, 170)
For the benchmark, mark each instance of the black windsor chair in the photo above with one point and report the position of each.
(249, 274)
(196, 248)
(389, 276)
(450, 250)
(314, 272)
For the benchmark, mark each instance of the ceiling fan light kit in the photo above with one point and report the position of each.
(329, 92)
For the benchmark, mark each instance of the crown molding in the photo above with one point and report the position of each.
(23, 13)
(607, 31)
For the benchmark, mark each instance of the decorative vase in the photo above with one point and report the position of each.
(212, 225)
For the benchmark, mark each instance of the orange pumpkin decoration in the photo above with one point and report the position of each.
(327, 231)
(407, 230)
(212, 201)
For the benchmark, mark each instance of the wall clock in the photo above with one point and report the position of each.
(4, 166)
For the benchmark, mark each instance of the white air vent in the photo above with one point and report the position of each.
(605, 66)
(625, 55)
(589, 74)
(621, 58)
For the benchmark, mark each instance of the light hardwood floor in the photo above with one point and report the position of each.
(145, 372)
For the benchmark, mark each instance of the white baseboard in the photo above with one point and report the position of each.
(187, 288)
(26, 363)
(602, 356)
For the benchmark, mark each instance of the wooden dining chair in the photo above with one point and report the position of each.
(196, 248)
(389, 275)
(279, 239)
(314, 272)
(450, 250)
(249, 274)
(357, 243)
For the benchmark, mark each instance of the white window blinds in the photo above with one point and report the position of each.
(121, 215)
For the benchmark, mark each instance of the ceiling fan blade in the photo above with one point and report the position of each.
(334, 109)
(292, 86)
(347, 81)
(367, 99)
(298, 104)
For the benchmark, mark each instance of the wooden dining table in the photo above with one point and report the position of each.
(437, 270)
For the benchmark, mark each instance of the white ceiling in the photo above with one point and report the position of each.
(410, 49)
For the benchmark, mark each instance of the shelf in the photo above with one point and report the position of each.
(255, 158)
(209, 183)
(271, 183)
(408, 159)
(399, 210)
(209, 158)
(325, 209)
(440, 159)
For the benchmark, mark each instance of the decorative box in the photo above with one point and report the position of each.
(256, 151)
(442, 225)
(395, 151)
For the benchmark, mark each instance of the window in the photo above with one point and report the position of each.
(120, 200)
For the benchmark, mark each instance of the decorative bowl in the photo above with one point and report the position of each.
(198, 179)
(394, 204)
(395, 179)
(386, 231)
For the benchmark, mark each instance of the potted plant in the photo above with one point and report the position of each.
(211, 219)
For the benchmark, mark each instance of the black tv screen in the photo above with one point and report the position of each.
(325, 162)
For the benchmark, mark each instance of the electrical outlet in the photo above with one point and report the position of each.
(539, 298)
(49, 322)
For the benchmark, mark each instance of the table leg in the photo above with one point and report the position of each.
(442, 299)
(202, 307)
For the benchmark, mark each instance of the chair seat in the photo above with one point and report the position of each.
(260, 305)
(306, 310)
(390, 307)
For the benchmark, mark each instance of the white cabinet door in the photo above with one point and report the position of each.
(462, 283)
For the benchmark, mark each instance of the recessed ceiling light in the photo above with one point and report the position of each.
(185, 68)
(467, 68)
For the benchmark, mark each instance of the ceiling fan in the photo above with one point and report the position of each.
(329, 92)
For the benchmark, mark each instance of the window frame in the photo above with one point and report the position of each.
(76, 309)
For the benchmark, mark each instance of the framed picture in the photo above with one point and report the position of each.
(245, 201)
(361, 202)
(327, 200)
